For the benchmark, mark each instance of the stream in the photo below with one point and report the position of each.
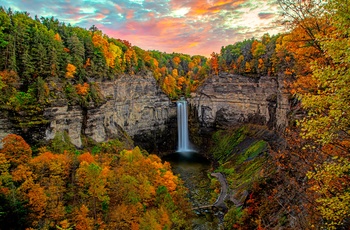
(193, 169)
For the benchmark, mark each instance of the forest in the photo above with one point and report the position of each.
(106, 188)
(307, 184)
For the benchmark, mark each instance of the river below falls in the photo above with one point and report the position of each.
(193, 169)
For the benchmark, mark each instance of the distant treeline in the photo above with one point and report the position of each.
(266, 56)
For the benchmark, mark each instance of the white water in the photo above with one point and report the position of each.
(182, 127)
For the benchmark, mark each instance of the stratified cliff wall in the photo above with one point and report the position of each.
(134, 105)
(228, 99)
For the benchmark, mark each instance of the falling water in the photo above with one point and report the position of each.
(182, 126)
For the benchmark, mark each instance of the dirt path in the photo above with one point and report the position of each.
(219, 203)
(224, 194)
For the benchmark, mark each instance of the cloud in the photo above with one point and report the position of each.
(188, 26)
(264, 15)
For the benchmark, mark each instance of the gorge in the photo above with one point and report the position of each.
(135, 105)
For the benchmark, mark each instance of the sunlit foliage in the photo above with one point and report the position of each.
(126, 189)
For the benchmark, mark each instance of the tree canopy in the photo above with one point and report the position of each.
(110, 189)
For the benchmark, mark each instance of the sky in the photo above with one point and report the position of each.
(182, 26)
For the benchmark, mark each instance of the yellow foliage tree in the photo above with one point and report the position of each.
(169, 85)
(71, 70)
(248, 68)
(114, 55)
(94, 177)
(331, 182)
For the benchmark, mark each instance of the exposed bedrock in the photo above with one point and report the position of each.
(228, 99)
(134, 105)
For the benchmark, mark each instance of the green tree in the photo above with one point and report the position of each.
(76, 48)
(94, 178)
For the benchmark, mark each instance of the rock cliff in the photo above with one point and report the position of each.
(134, 105)
(228, 99)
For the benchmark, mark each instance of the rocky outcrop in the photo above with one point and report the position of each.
(134, 105)
(227, 99)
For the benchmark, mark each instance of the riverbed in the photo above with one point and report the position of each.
(194, 169)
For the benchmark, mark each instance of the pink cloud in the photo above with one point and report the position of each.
(100, 16)
(166, 34)
(188, 26)
(69, 9)
(129, 14)
(105, 11)
(118, 8)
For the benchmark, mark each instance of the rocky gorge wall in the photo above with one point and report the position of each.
(228, 99)
(134, 105)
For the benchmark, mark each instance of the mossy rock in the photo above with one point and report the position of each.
(225, 141)
(242, 155)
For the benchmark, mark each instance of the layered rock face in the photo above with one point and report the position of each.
(228, 99)
(135, 106)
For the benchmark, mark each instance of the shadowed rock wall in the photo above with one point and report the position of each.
(227, 99)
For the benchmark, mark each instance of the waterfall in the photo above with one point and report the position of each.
(182, 126)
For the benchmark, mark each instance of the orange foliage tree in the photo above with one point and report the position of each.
(54, 172)
(70, 70)
(82, 219)
(16, 150)
(130, 59)
(82, 89)
(176, 60)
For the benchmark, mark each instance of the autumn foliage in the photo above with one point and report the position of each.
(113, 190)
(308, 183)
(305, 186)
(71, 70)
(16, 150)
(82, 89)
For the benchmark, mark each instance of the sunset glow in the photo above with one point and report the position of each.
(189, 26)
